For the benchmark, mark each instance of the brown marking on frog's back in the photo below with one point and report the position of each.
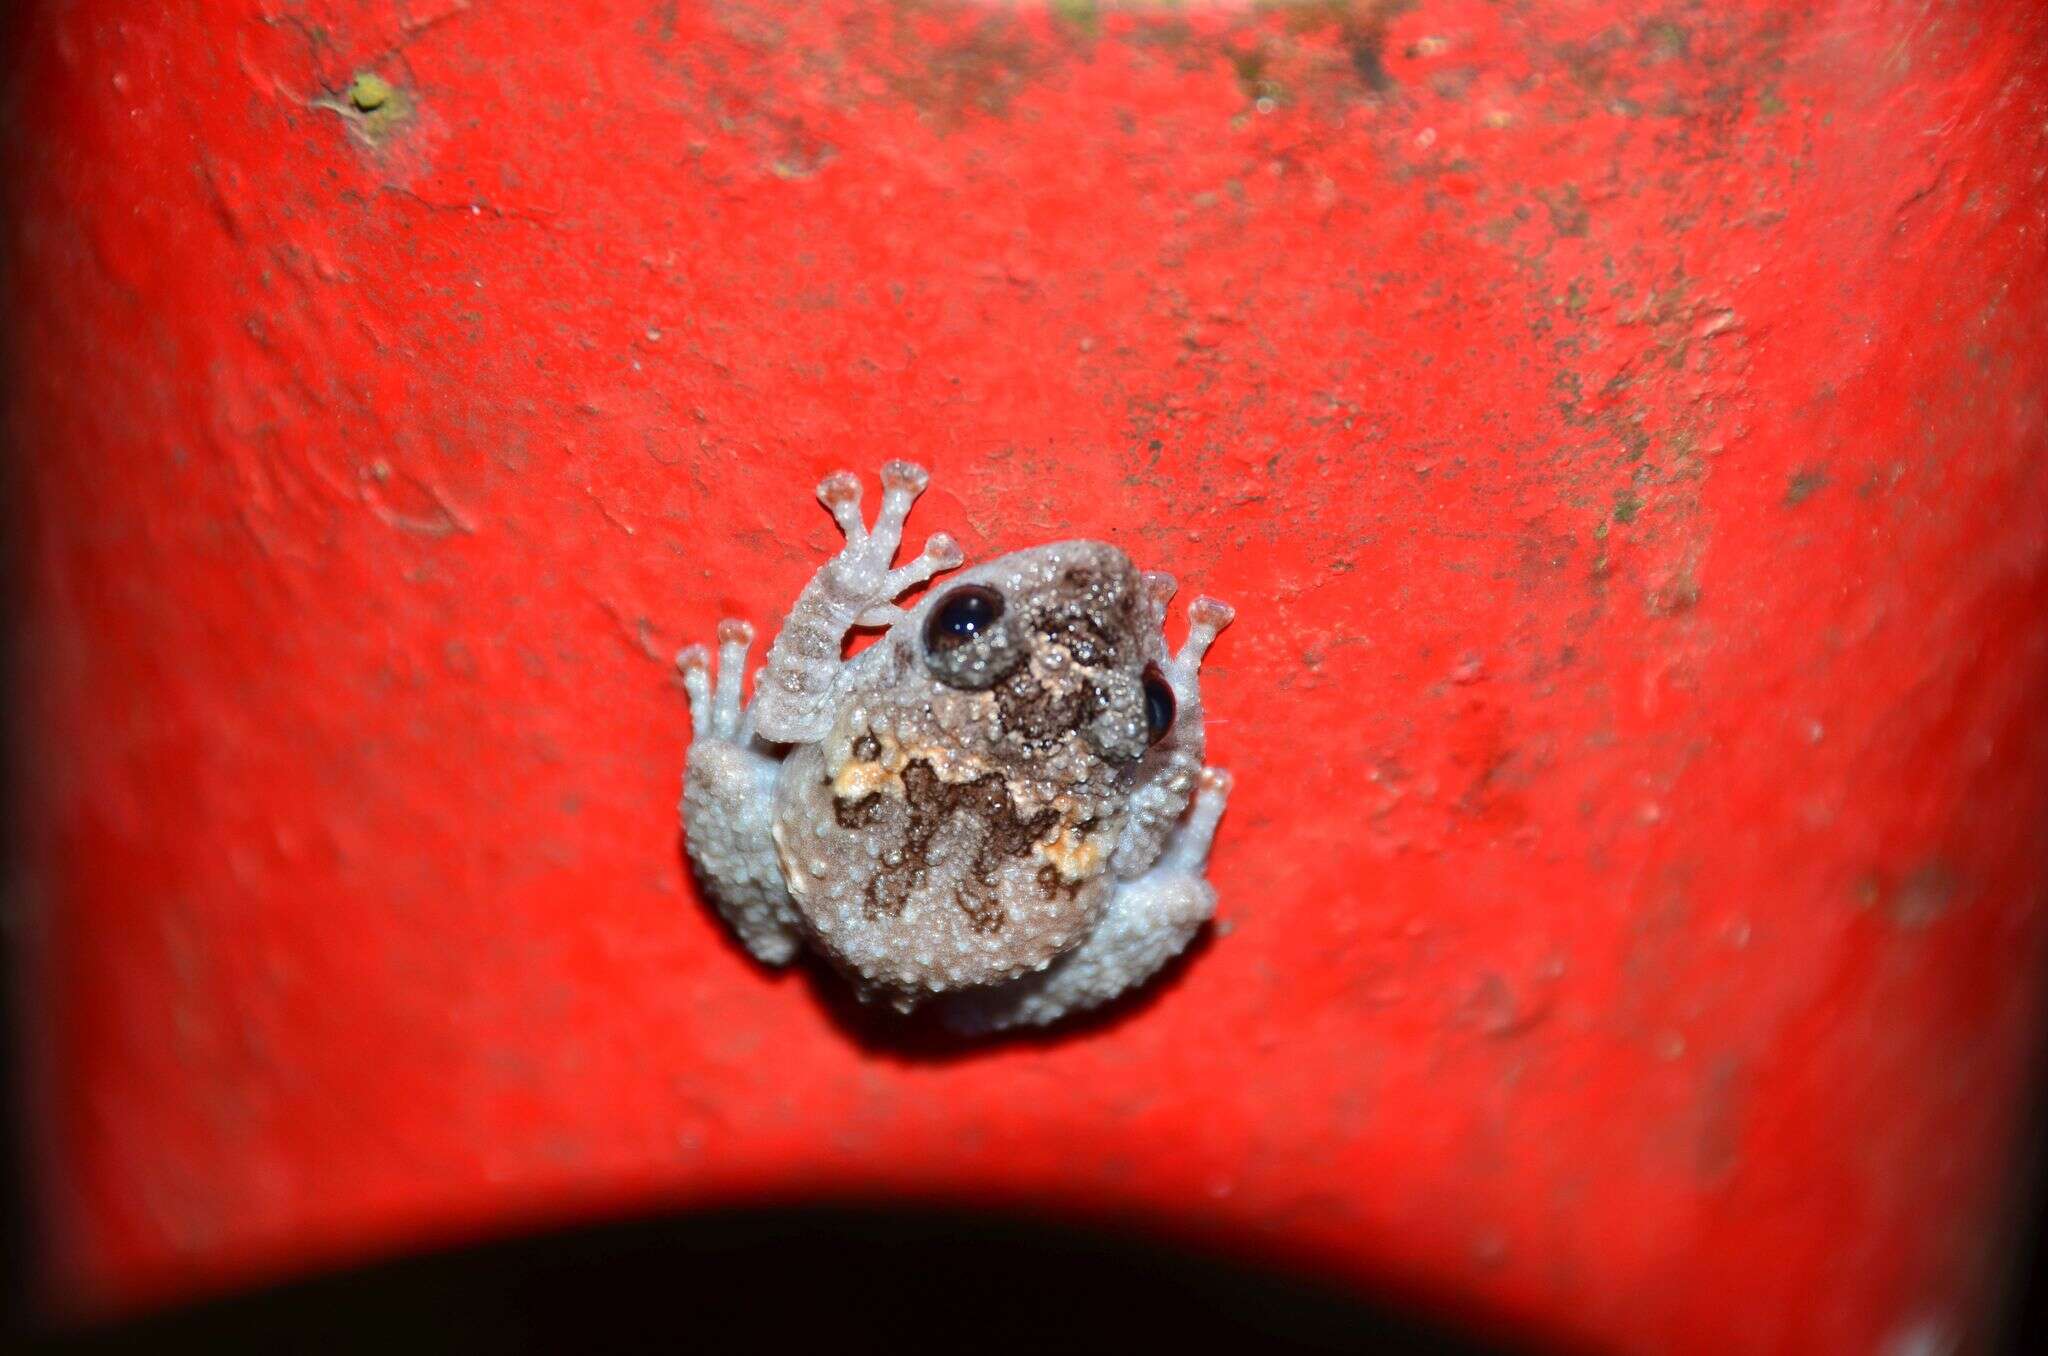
(929, 804)
(1053, 885)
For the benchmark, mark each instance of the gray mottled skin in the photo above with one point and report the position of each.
(988, 824)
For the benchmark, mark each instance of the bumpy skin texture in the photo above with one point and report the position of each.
(1010, 818)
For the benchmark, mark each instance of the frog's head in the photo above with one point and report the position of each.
(1051, 654)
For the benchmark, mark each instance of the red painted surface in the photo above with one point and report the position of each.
(1621, 435)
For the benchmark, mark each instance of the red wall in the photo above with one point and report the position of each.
(1621, 436)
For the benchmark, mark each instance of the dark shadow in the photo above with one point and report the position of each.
(18, 1266)
(838, 1279)
(2017, 1237)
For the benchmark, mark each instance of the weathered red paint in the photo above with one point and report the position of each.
(1620, 433)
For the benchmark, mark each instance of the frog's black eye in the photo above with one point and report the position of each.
(960, 616)
(1159, 703)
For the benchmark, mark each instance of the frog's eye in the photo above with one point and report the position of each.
(960, 616)
(1159, 703)
(967, 641)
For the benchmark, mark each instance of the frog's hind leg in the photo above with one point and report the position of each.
(1150, 920)
(728, 802)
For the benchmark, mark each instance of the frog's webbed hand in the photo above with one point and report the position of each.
(793, 702)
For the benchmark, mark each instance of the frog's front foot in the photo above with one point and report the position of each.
(861, 573)
(857, 587)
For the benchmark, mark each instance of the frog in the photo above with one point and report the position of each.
(997, 811)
